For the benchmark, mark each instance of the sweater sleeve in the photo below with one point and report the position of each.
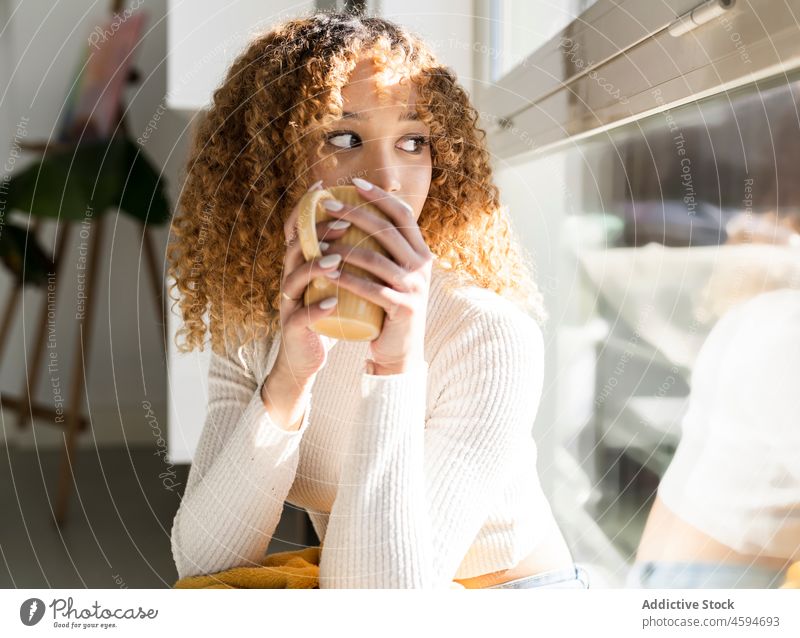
(242, 471)
(415, 492)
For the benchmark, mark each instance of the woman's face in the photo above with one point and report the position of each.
(376, 140)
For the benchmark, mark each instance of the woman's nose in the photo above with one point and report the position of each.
(386, 179)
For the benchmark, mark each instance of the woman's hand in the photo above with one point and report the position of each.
(303, 352)
(404, 295)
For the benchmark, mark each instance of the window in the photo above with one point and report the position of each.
(645, 236)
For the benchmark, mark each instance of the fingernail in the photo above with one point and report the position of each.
(330, 302)
(339, 224)
(330, 260)
(315, 186)
(333, 274)
(323, 245)
(362, 183)
(332, 204)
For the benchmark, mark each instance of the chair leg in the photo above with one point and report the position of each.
(157, 283)
(11, 305)
(8, 317)
(79, 377)
(31, 381)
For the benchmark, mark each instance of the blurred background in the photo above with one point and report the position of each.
(649, 165)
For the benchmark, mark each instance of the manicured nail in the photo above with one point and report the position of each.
(330, 302)
(362, 183)
(315, 186)
(339, 224)
(323, 245)
(330, 260)
(332, 204)
(333, 274)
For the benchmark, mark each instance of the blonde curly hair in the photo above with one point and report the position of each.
(249, 165)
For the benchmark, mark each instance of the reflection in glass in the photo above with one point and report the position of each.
(680, 282)
(726, 512)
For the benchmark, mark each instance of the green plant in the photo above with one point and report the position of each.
(64, 184)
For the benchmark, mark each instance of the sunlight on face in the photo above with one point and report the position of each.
(380, 140)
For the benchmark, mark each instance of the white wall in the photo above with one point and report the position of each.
(447, 25)
(125, 364)
(206, 35)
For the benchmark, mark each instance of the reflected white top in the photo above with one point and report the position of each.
(736, 472)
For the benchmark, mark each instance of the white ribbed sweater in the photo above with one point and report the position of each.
(410, 480)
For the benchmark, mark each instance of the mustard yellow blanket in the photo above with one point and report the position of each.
(792, 577)
(282, 570)
(300, 570)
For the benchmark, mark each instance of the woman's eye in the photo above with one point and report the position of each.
(339, 135)
(419, 141)
(339, 140)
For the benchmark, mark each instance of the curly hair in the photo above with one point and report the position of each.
(249, 164)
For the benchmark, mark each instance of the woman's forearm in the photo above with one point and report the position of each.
(286, 399)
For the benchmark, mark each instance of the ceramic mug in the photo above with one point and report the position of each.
(354, 318)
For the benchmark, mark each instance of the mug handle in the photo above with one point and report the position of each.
(307, 223)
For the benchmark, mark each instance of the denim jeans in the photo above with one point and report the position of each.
(574, 577)
(680, 575)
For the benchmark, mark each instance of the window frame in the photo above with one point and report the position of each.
(549, 100)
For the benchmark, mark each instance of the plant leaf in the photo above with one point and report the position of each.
(97, 174)
(65, 183)
(28, 266)
(143, 195)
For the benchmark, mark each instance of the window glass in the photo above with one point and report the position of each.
(669, 253)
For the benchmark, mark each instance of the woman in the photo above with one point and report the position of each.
(727, 511)
(412, 453)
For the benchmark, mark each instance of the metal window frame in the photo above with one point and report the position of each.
(618, 63)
